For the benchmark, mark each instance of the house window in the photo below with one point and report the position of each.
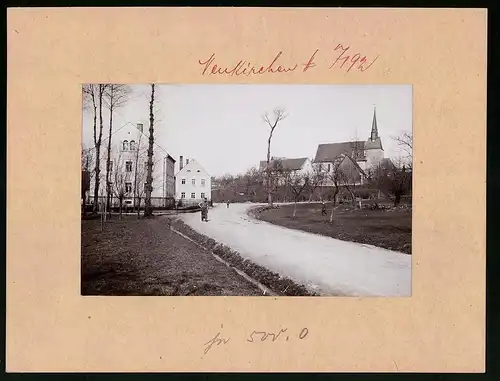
(202, 195)
(132, 145)
(193, 195)
(193, 181)
(128, 166)
(183, 181)
(328, 167)
(125, 145)
(128, 187)
(183, 195)
(202, 182)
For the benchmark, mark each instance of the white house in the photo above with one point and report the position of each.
(192, 182)
(128, 167)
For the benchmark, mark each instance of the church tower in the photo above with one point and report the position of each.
(373, 146)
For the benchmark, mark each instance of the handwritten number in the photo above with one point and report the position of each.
(303, 333)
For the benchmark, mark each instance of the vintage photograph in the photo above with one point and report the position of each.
(246, 190)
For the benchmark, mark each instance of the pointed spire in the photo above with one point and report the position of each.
(374, 134)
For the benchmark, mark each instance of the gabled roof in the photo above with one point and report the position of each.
(328, 152)
(286, 164)
(188, 166)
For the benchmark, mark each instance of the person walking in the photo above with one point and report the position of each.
(204, 210)
(227, 203)
(323, 208)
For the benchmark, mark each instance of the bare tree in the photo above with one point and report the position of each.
(140, 186)
(337, 176)
(87, 162)
(405, 141)
(120, 188)
(253, 183)
(139, 172)
(278, 115)
(393, 179)
(316, 179)
(297, 182)
(93, 94)
(148, 209)
(115, 96)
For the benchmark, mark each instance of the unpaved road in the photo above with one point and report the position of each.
(325, 265)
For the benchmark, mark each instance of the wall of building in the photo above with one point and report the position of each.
(374, 157)
(170, 177)
(124, 158)
(193, 180)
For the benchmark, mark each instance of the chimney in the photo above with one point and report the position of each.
(187, 161)
(140, 126)
(181, 163)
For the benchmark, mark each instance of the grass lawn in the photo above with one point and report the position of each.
(144, 257)
(390, 229)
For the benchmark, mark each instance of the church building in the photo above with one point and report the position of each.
(354, 158)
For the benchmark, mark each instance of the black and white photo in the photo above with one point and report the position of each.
(246, 190)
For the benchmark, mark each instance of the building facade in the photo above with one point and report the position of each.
(192, 182)
(354, 158)
(169, 177)
(128, 169)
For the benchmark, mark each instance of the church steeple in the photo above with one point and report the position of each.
(374, 135)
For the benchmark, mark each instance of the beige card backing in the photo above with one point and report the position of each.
(50, 327)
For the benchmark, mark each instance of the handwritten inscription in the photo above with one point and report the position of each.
(344, 58)
(355, 60)
(283, 335)
(215, 341)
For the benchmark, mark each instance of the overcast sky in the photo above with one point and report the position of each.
(221, 126)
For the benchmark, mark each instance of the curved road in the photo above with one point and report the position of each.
(325, 265)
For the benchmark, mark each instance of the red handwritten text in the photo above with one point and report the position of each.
(355, 61)
(344, 58)
(210, 67)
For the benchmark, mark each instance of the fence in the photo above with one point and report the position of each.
(131, 203)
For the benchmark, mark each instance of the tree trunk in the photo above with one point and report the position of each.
(97, 174)
(98, 149)
(397, 199)
(269, 195)
(138, 208)
(331, 214)
(121, 204)
(148, 210)
(108, 161)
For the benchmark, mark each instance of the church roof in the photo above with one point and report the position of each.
(287, 164)
(328, 152)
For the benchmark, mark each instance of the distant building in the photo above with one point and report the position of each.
(192, 182)
(355, 158)
(285, 165)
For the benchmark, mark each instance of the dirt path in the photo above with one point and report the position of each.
(323, 264)
(145, 257)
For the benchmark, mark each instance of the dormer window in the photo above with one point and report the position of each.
(132, 145)
(125, 145)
